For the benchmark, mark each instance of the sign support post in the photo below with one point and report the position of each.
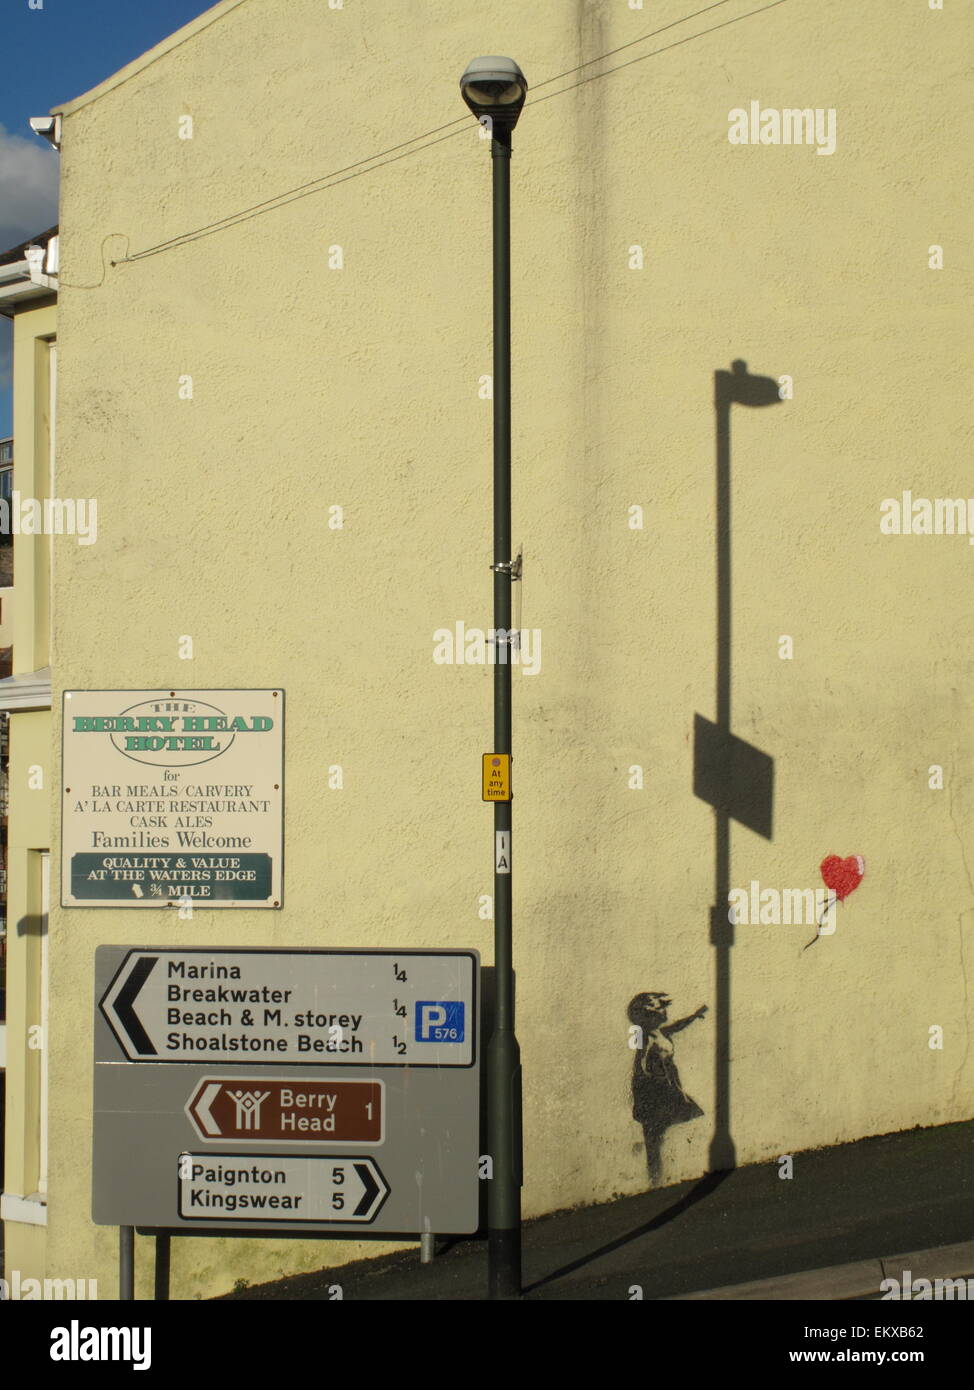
(162, 1269)
(126, 1263)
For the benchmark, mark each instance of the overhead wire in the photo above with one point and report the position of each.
(402, 150)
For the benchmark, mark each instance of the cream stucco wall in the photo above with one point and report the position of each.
(29, 832)
(27, 622)
(359, 387)
(34, 330)
(6, 617)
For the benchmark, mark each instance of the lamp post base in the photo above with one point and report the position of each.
(504, 1264)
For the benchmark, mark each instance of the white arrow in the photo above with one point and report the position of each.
(202, 1108)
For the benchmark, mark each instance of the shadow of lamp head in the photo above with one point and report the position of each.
(739, 387)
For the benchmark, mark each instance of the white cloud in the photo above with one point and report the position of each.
(28, 187)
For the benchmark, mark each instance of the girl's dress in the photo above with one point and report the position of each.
(658, 1099)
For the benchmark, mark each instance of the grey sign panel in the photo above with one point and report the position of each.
(172, 797)
(320, 1090)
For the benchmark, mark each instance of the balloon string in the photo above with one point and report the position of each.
(820, 920)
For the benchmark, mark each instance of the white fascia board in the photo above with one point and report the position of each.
(24, 692)
(16, 270)
(38, 258)
(48, 128)
(20, 291)
(28, 1211)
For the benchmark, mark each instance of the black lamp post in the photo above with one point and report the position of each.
(494, 89)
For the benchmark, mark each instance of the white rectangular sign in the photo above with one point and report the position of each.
(357, 1008)
(172, 797)
(261, 1187)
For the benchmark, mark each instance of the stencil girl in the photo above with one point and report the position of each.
(658, 1097)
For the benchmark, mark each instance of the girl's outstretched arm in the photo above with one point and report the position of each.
(670, 1028)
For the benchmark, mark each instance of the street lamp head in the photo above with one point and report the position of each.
(496, 88)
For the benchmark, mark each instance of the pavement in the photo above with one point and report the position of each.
(831, 1232)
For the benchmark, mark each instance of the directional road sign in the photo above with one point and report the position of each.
(235, 1187)
(321, 1090)
(300, 1007)
(291, 1111)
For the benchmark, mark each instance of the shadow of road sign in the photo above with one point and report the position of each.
(733, 776)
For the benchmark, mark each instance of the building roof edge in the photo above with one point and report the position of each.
(181, 36)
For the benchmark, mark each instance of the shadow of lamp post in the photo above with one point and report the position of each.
(734, 777)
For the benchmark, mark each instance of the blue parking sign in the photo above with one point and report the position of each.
(439, 1021)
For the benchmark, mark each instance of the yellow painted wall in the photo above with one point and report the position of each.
(30, 764)
(33, 332)
(28, 832)
(7, 617)
(358, 387)
(24, 1254)
(30, 767)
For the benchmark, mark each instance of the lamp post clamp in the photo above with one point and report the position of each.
(511, 567)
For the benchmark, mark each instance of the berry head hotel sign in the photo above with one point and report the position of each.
(172, 797)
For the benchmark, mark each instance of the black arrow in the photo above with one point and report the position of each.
(126, 1014)
(364, 1171)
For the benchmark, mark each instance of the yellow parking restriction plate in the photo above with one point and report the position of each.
(497, 777)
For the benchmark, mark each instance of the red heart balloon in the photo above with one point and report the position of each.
(842, 875)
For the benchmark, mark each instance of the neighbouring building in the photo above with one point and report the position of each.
(28, 295)
(6, 538)
(738, 677)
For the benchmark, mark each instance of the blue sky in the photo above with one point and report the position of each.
(53, 53)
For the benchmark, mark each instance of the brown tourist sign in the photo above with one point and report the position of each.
(287, 1111)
